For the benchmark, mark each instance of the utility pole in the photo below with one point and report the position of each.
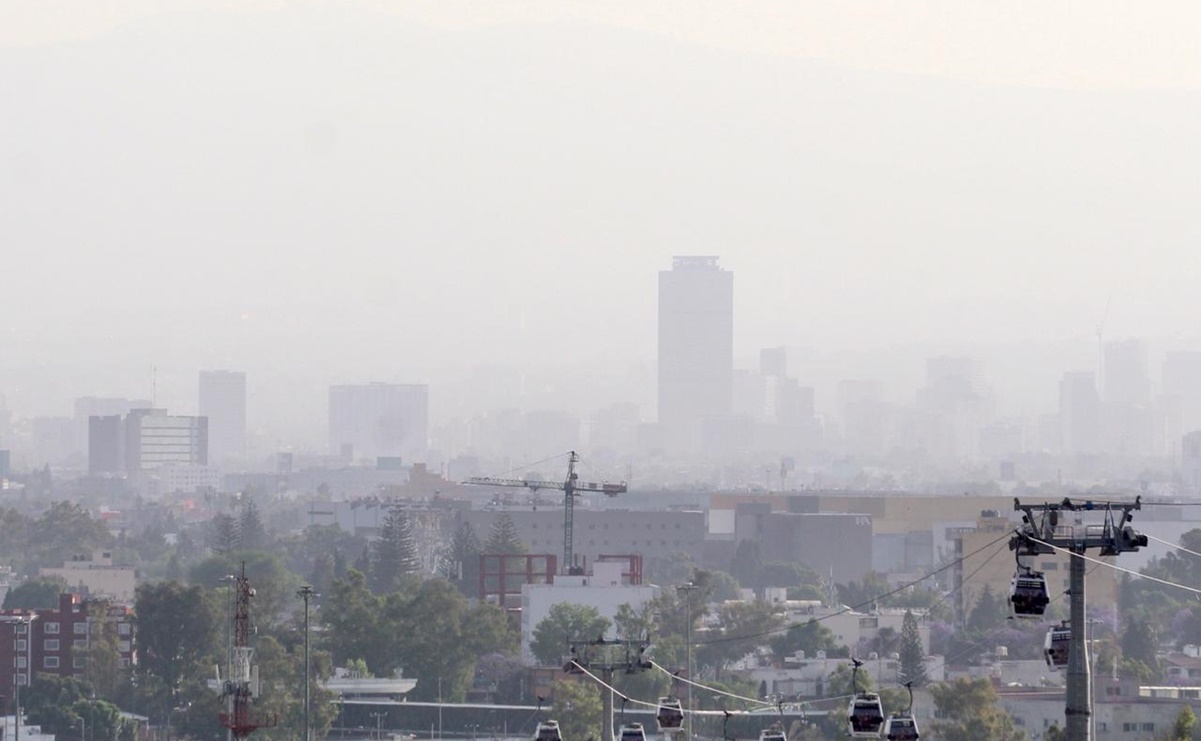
(306, 593)
(598, 657)
(688, 589)
(1043, 531)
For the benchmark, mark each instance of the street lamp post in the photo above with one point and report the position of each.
(306, 593)
(687, 589)
(22, 623)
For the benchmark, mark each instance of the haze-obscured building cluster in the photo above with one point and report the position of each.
(783, 421)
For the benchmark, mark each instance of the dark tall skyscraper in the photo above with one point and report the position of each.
(223, 400)
(696, 349)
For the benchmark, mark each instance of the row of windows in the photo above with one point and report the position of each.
(633, 543)
(605, 526)
(79, 629)
(1133, 727)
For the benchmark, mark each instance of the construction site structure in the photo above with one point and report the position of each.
(571, 486)
(241, 687)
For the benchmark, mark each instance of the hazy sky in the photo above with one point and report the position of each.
(339, 191)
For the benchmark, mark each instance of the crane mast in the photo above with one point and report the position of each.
(571, 486)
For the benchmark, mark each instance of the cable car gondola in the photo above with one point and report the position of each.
(632, 732)
(670, 715)
(903, 726)
(774, 732)
(865, 714)
(1028, 596)
(548, 730)
(1056, 646)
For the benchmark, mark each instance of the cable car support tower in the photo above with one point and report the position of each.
(1044, 531)
(571, 486)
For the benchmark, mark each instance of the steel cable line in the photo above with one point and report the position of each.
(626, 698)
(714, 690)
(852, 608)
(1173, 545)
(1115, 567)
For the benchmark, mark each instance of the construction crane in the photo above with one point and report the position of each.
(571, 486)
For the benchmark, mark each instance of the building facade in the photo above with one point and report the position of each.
(696, 350)
(222, 399)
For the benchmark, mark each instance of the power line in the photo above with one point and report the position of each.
(1173, 545)
(852, 608)
(1115, 567)
(714, 690)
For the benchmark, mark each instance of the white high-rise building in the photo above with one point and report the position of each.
(222, 398)
(696, 349)
(369, 421)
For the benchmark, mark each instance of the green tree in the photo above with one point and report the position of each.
(353, 622)
(577, 706)
(865, 593)
(741, 627)
(564, 623)
(747, 564)
(103, 657)
(988, 612)
(223, 534)
(1140, 642)
(177, 630)
(274, 586)
(1183, 727)
(63, 529)
(40, 592)
(462, 560)
(968, 711)
(913, 658)
(503, 537)
(252, 534)
(810, 637)
(394, 560)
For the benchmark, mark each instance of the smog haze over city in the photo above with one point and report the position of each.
(447, 369)
(479, 197)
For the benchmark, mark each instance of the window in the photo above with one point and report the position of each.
(21, 662)
(80, 643)
(51, 629)
(79, 662)
(123, 647)
(50, 644)
(1147, 727)
(123, 629)
(81, 629)
(50, 662)
(123, 663)
(22, 629)
(22, 679)
(22, 644)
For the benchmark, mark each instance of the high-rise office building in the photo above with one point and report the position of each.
(696, 349)
(87, 407)
(375, 420)
(223, 400)
(145, 440)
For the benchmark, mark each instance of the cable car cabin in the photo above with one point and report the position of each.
(670, 715)
(1028, 594)
(901, 727)
(548, 730)
(1055, 648)
(865, 716)
(774, 733)
(632, 732)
